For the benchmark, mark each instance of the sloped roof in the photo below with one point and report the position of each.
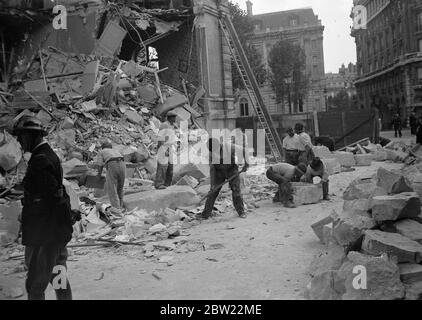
(275, 20)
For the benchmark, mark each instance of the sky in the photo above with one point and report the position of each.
(339, 46)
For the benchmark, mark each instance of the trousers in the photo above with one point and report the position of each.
(292, 157)
(219, 174)
(285, 191)
(40, 262)
(115, 181)
(164, 176)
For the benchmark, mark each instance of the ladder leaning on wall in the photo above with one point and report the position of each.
(251, 86)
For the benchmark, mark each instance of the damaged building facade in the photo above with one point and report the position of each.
(389, 61)
(303, 27)
(181, 39)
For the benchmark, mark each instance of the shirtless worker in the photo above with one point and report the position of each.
(283, 174)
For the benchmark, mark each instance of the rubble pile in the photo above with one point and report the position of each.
(378, 231)
(364, 153)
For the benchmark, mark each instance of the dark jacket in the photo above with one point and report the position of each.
(46, 213)
(397, 122)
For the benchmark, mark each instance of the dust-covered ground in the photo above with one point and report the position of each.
(262, 257)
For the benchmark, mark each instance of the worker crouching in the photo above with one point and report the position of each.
(318, 169)
(283, 174)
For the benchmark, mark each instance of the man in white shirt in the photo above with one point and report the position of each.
(306, 154)
(291, 145)
(166, 152)
(317, 169)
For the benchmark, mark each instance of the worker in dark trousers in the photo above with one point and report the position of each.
(283, 174)
(397, 125)
(317, 169)
(166, 152)
(291, 145)
(46, 214)
(115, 165)
(223, 167)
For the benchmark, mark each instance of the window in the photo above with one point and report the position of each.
(244, 108)
(420, 74)
(420, 45)
(314, 44)
(293, 22)
(419, 21)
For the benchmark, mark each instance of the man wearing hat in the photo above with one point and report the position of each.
(115, 165)
(306, 154)
(317, 169)
(166, 152)
(46, 214)
(283, 174)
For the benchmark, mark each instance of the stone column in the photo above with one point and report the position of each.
(214, 65)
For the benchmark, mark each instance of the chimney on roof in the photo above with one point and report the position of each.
(249, 5)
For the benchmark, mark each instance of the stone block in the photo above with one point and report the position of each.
(306, 193)
(9, 224)
(363, 191)
(173, 197)
(346, 159)
(198, 171)
(325, 286)
(67, 124)
(359, 206)
(134, 117)
(377, 243)
(349, 229)
(330, 259)
(188, 181)
(333, 165)
(382, 275)
(74, 198)
(413, 291)
(410, 272)
(393, 182)
(380, 155)
(410, 229)
(322, 152)
(364, 160)
(395, 207)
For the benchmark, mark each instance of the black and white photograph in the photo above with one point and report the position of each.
(210, 156)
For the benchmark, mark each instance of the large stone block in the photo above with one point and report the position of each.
(349, 229)
(333, 165)
(395, 207)
(325, 286)
(155, 200)
(410, 272)
(359, 206)
(377, 242)
(198, 171)
(306, 193)
(410, 229)
(330, 259)
(364, 160)
(322, 152)
(382, 278)
(363, 191)
(393, 182)
(346, 159)
(9, 224)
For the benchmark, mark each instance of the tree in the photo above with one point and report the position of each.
(340, 100)
(288, 76)
(244, 26)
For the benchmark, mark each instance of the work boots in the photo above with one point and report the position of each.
(289, 205)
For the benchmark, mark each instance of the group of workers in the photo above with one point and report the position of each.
(300, 165)
(47, 218)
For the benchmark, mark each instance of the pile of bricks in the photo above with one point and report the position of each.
(374, 245)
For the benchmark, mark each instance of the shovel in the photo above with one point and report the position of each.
(220, 185)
